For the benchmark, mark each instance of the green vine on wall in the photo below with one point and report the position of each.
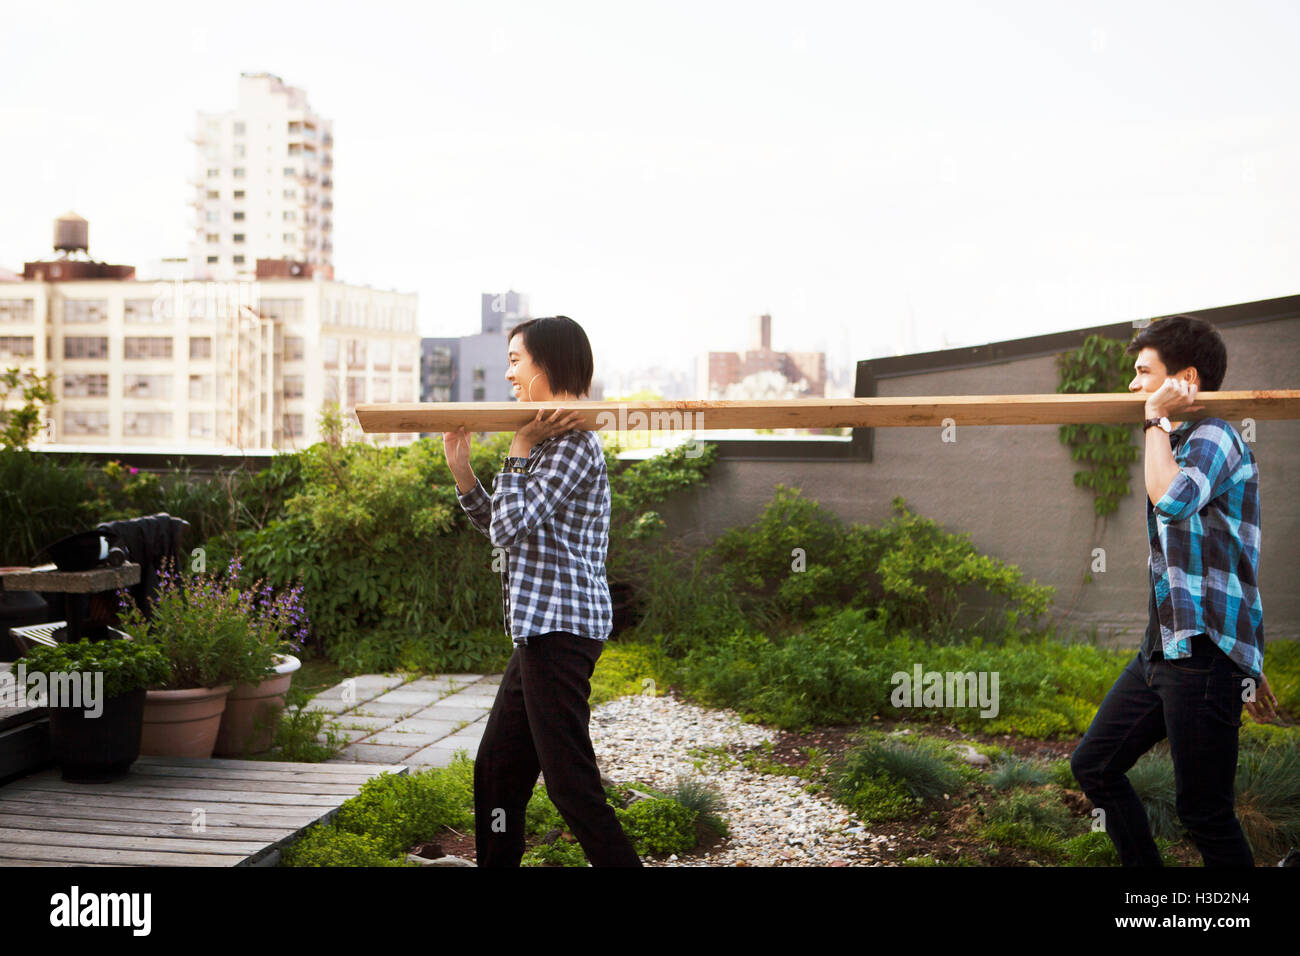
(1099, 365)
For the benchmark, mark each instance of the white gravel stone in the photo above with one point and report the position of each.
(772, 820)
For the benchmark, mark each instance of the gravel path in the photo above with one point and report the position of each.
(772, 820)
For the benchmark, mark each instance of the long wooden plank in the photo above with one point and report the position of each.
(158, 782)
(77, 856)
(362, 771)
(251, 777)
(244, 831)
(155, 805)
(820, 412)
(198, 797)
(232, 847)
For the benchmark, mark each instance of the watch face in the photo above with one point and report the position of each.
(1166, 425)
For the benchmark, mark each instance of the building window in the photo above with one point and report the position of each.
(286, 310)
(330, 389)
(293, 425)
(200, 388)
(239, 216)
(329, 347)
(84, 347)
(80, 422)
(291, 238)
(293, 386)
(237, 237)
(214, 194)
(17, 310)
(478, 374)
(147, 310)
(295, 149)
(383, 389)
(405, 356)
(239, 194)
(213, 173)
(86, 385)
(383, 354)
(213, 237)
(238, 172)
(147, 347)
(239, 151)
(238, 129)
(212, 260)
(147, 386)
(237, 260)
(406, 390)
(290, 171)
(293, 348)
(85, 310)
(356, 389)
(479, 393)
(291, 194)
(356, 353)
(154, 424)
(200, 347)
(211, 215)
(290, 215)
(200, 424)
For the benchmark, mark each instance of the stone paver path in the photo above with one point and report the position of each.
(419, 722)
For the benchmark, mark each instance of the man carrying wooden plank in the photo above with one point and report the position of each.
(1203, 652)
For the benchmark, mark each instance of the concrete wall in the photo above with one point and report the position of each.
(1011, 488)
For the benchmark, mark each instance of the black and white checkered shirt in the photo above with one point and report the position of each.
(553, 526)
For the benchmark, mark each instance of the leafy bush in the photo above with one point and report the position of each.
(559, 852)
(126, 666)
(328, 845)
(658, 826)
(399, 811)
(625, 669)
(890, 778)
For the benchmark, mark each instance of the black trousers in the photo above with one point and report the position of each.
(1196, 703)
(539, 723)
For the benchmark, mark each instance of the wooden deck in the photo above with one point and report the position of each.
(250, 808)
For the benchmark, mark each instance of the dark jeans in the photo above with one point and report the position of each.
(1196, 702)
(539, 722)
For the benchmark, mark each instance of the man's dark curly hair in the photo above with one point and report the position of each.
(1184, 341)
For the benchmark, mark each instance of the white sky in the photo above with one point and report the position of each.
(878, 176)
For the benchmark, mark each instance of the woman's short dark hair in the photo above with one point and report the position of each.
(1184, 341)
(559, 347)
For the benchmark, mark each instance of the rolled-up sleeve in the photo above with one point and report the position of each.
(523, 502)
(1207, 461)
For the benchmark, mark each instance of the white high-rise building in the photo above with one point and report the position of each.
(263, 183)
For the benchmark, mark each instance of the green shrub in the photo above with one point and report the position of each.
(704, 800)
(560, 852)
(1268, 796)
(658, 826)
(1093, 848)
(329, 845)
(625, 669)
(399, 811)
(888, 779)
(1016, 772)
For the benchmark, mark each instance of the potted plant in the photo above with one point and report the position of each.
(201, 624)
(96, 736)
(277, 623)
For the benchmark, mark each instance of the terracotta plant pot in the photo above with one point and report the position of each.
(182, 723)
(253, 711)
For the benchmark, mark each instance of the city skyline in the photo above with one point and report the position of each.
(876, 182)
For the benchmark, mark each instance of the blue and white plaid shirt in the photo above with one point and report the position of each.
(1204, 536)
(553, 524)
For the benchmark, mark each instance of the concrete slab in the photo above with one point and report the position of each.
(451, 712)
(375, 753)
(419, 698)
(433, 729)
(376, 709)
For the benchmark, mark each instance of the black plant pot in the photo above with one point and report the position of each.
(98, 749)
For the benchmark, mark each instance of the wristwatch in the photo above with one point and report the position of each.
(516, 465)
(1162, 423)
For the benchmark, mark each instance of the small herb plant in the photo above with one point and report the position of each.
(127, 666)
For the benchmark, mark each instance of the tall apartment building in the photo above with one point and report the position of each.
(206, 365)
(263, 182)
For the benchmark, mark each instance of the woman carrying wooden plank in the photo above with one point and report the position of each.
(549, 518)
